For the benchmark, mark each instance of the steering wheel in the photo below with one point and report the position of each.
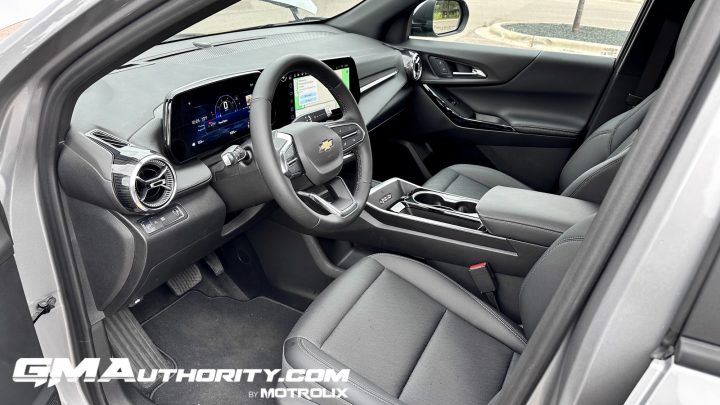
(311, 149)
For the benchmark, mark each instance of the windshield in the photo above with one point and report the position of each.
(247, 14)
(16, 13)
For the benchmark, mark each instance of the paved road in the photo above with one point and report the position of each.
(614, 14)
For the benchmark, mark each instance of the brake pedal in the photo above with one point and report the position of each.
(183, 282)
(213, 261)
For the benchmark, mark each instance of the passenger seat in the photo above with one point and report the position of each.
(586, 176)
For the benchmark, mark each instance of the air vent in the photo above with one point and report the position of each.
(149, 186)
(412, 63)
(154, 183)
(108, 139)
(416, 65)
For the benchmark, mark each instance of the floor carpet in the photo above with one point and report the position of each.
(198, 331)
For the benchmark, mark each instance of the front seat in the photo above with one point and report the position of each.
(408, 334)
(590, 170)
(586, 176)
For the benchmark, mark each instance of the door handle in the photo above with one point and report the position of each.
(475, 72)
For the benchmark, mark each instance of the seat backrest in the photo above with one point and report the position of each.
(592, 168)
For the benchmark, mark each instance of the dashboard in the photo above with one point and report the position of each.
(141, 163)
(203, 117)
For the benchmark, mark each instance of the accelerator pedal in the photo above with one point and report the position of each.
(213, 261)
(183, 282)
(129, 340)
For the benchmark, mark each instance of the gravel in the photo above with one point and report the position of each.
(564, 31)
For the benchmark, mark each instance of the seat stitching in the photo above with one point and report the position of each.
(598, 134)
(633, 113)
(570, 239)
(356, 384)
(423, 352)
(567, 131)
(478, 182)
(521, 224)
(370, 391)
(450, 183)
(354, 303)
(477, 300)
(594, 175)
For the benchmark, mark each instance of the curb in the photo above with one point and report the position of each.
(497, 32)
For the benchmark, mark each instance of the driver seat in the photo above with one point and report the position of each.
(409, 334)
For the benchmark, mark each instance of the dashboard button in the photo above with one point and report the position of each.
(158, 222)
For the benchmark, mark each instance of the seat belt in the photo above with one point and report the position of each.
(484, 280)
(657, 61)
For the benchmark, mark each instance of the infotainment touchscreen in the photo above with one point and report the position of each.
(312, 101)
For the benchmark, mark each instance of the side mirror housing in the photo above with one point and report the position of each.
(438, 18)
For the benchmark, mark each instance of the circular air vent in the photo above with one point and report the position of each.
(412, 64)
(152, 184)
(416, 65)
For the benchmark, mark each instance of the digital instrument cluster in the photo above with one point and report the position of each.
(202, 118)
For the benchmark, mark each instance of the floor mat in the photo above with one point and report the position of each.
(198, 331)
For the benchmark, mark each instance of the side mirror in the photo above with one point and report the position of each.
(437, 18)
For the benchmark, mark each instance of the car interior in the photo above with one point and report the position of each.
(346, 194)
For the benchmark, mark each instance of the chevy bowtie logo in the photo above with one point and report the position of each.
(326, 145)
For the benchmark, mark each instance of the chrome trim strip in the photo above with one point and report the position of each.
(475, 72)
(378, 81)
(284, 165)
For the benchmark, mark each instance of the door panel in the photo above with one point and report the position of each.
(531, 107)
(17, 333)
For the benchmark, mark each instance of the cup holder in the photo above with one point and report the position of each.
(428, 198)
(433, 199)
(466, 207)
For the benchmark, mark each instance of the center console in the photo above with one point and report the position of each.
(508, 213)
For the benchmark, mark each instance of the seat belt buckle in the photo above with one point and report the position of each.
(484, 280)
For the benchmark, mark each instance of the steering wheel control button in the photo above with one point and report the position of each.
(345, 130)
(351, 134)
(294, 169)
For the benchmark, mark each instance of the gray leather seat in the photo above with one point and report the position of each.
(410, 335)
(587, 175)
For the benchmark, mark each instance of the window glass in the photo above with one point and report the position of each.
(247, 14)
(592, 27)
(16, 13)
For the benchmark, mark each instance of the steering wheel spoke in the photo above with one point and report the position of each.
(287, 152)
(334, 197)
(351, 133)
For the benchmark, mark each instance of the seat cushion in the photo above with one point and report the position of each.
(470, 181)
(407, 333)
